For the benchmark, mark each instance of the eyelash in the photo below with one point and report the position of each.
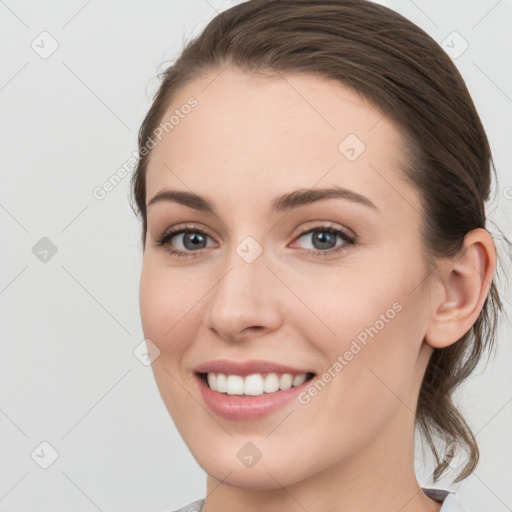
(171, 233)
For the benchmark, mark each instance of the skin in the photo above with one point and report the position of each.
(250, 139)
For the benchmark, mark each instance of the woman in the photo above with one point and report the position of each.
(317, 275)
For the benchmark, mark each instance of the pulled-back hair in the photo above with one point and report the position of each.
(401, 70)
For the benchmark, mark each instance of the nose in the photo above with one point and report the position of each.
(244, 302)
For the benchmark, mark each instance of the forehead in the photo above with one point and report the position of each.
(252, 132)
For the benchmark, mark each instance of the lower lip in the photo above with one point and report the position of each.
(245, 407)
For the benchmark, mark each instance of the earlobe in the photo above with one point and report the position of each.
(464, 284)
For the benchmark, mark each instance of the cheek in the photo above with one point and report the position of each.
(370, 299)
(371, 336)
(169, 307)
(170, 312)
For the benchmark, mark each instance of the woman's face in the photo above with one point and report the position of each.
(269, 279)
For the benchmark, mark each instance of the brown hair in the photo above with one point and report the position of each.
(399, 68)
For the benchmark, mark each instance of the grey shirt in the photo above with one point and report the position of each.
(448, 499)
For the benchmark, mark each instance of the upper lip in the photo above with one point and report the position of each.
(244, 368)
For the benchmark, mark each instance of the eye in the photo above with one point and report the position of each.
(189, 239)
(322, 240)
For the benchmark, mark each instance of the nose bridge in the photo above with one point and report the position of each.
(243, 296)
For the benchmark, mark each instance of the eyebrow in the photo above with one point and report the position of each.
(280, 204)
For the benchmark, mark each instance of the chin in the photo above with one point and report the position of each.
(266, 474)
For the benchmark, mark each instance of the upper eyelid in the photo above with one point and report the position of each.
(319, 224)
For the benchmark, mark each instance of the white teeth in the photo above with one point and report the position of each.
(253, 385)
(299, 379)
(271, 383)
(212, 380)
(221, 383)
(235, 385)
(286, 381)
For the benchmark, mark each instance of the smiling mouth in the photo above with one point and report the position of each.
(253, 385)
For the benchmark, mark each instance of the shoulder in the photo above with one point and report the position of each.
(196, 506)
(448, 499)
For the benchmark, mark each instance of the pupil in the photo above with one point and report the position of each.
(194, 238)
(323, 238)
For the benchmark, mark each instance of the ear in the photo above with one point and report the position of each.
(464, 283)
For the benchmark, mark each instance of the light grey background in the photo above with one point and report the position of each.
(68, 375)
